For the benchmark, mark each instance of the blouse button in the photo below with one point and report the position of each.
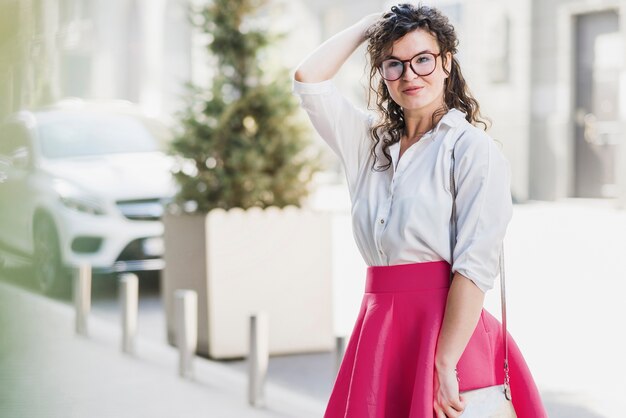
(382, 221)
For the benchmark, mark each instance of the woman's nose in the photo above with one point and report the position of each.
(408, 73)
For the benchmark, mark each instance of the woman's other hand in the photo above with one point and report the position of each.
(447, 401)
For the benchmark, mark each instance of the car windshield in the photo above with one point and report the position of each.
(76, 134)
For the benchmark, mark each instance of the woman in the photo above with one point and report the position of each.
(418, 339)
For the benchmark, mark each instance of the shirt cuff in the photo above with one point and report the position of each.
(484, 284)
(322, 87)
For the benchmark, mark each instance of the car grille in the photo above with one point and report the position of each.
(142, 210)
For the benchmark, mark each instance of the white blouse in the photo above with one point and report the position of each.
(402, 215)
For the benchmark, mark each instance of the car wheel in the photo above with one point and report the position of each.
(50, 274)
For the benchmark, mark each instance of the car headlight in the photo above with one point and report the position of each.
(82, 205)
(74, 198)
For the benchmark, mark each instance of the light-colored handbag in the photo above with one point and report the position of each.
(490, 401)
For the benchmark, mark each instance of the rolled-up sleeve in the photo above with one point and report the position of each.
(484, 207)
(343, 126)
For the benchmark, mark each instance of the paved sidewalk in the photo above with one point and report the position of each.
(47, 371)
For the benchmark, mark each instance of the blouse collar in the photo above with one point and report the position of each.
(452, 118)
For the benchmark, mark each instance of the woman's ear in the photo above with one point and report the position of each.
(448, 62)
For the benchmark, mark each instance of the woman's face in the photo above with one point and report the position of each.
(418, 95)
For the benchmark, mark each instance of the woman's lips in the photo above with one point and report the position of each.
(412, 90)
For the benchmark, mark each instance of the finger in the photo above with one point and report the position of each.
(457, 403)
(451, 412)
(462, 401)
(440, 413)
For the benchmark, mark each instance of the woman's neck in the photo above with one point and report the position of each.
(417, 123)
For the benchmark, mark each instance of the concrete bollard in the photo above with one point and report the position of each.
(258, 358)
(186, 317)
(340, 349)
(82, 297)
(129, 300)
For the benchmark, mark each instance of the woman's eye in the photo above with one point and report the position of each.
(393, 64)
(423, 59)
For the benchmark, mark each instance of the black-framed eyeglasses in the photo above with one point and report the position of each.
(422, 64)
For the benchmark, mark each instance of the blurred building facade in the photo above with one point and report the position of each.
(577, 113)
(138, 50)
(550, 75)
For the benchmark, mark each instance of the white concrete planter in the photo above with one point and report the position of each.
(240, 262)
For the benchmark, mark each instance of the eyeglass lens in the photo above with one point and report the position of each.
(422, 64)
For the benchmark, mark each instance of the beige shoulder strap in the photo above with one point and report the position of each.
(453, 232)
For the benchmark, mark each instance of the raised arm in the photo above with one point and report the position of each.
(324, 62)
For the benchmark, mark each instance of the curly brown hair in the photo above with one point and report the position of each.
(393, 25)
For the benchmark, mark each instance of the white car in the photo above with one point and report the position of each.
(83, 183)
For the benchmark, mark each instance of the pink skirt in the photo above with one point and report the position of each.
(388, 367)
